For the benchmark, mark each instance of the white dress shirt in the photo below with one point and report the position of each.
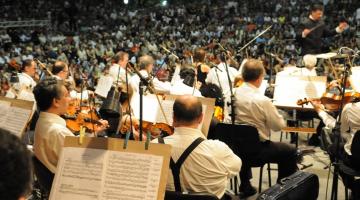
(116, 75)
(50, 132)
(159, 86)
(218, 76)
(255, 109)
(207, 168)
(350, 123)
(179, 88)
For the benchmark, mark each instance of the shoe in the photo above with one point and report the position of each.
(247, 191)
(314, 141)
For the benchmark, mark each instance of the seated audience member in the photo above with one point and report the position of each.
(210, 165)
(53, 99)
(15, 168)
(254, 109)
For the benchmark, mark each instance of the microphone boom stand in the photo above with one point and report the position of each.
(337, 133)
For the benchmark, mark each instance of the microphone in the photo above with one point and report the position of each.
(168, 51)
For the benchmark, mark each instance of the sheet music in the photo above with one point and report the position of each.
(104, 85)
(355, 76)
(87, 174)
(289, 89)
(4, 109)
(14, 119)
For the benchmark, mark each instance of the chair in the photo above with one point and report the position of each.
(348, 170)
(244, 141)
(44, 176)
(172, 195)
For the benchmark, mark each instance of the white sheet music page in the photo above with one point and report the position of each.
(104, 85)
(355, 77)
(289, 89)
(14, 119)
(87, 174)
(4, 109)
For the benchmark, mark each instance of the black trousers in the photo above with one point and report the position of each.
(285, 155)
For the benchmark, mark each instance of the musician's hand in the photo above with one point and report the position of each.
(305, 32)
(342, 26)
(333, 83)
(198, 85)
(317, 105)
(104, 124)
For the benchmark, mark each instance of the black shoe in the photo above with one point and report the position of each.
(246, 191)
(314, 141)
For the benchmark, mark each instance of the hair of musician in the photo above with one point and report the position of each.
(145, 61)
(26, 63)
(16, 167)
(58, 67)
(46, 91)
(119, 56)
(187, 109)
(252, 70)
(213, 91)
(316, 6)
(199, 55)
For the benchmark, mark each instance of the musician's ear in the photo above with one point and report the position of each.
(55, 102)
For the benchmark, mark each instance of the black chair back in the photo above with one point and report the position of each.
(355, 147)
(43, 175)
(242, 139)
(171, 195)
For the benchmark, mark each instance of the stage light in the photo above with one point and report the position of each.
(126, 1)
(164, 3)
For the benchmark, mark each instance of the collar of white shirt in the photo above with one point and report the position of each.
(187, 131)
(251, 87)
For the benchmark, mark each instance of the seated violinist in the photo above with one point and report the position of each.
(52, 99)
(350, 124)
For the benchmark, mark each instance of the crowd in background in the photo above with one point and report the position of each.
(86, 34)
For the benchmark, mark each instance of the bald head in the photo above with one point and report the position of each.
(146, 61)
(252, 70)
(60, 69)
(187, 111)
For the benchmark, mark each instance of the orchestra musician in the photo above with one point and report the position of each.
(26, 82)
(120, 60)
(218, 76)
(221, 162)
(52, 99)
(60, 70)
(350, 124)
(254, 109)
(201, 68)
(146, 65)
(16, 167)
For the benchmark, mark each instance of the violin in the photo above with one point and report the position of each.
(332, 102)
(78, 116)
(155, 129)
